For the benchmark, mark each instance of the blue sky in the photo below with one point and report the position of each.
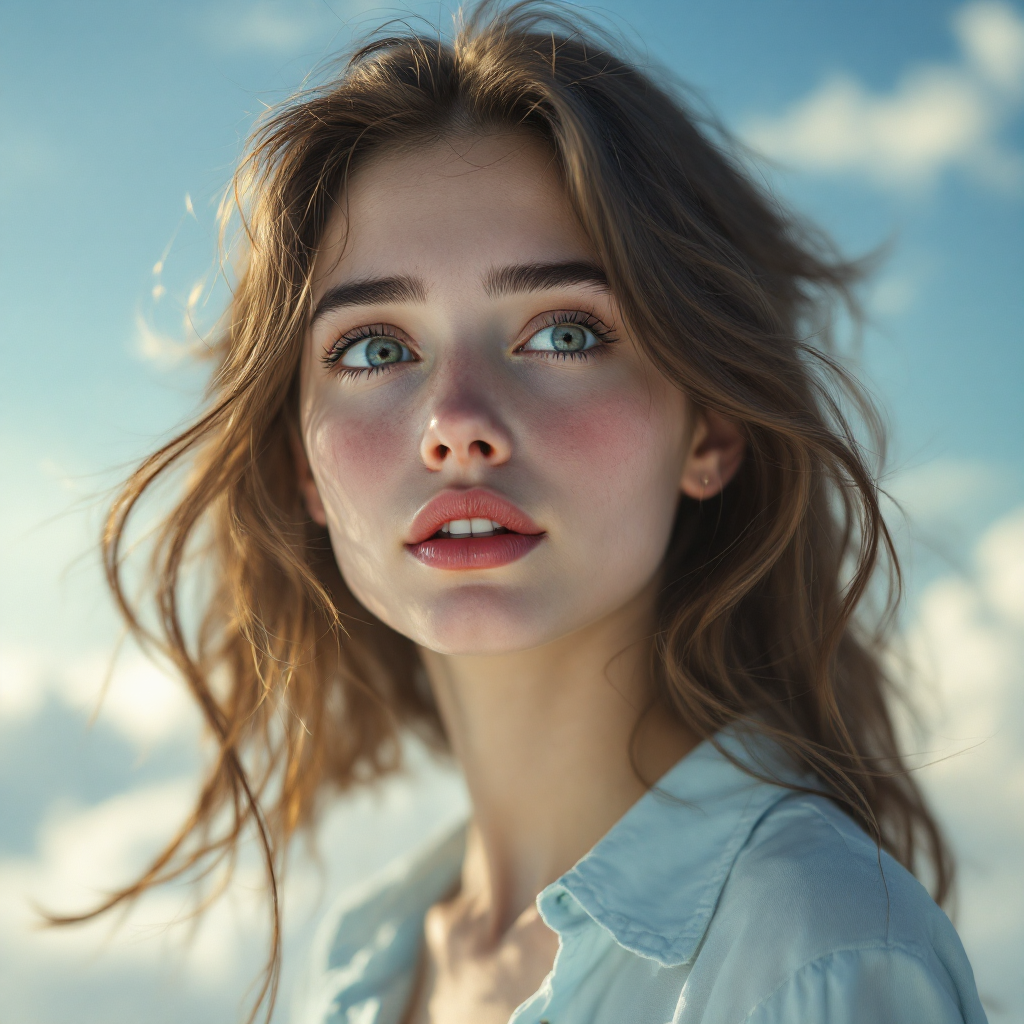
(886, 123)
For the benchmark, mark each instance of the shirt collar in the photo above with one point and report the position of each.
(654, 880)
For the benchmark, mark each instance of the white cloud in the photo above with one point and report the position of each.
(146, 704)
(22, 690)
(156, 951)
(156, 347)
(86, 852)
(947, 490)
(1001, 559)
(992, 36)
(937, 116)
(967, 645)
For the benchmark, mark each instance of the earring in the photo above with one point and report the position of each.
(704, 481)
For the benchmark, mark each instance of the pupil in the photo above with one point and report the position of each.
(569, 338)
(382, 350)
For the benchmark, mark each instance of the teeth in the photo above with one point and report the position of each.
(471, 528)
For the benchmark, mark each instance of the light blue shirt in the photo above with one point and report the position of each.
(716, 898)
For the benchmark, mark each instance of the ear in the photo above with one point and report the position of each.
(716, 453)
(304, 478)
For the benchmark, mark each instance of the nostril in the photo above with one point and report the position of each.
(485, 449)
(442, 450)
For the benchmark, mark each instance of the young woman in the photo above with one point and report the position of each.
(524, 436)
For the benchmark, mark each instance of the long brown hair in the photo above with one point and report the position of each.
(728, 294)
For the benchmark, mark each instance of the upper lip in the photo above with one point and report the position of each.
(475, 503)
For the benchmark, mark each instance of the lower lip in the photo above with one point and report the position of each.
(474, 552)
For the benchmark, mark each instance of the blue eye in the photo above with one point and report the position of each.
(379, 350)
(562, 338)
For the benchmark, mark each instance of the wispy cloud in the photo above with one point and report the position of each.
(267, 27)
(166, 351)
(156, 964)
(949, 488)
(937, 117)
(145, 704)
(900, 287)
(155, 345)
(967, 645)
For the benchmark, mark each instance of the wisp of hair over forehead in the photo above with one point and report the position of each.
(728, 295)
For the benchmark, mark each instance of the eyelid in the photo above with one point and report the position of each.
(552, 317)
(336, 349)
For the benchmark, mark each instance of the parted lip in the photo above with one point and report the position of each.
(475, 503)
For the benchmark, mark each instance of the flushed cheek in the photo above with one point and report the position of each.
(358, 462)
(614, 446)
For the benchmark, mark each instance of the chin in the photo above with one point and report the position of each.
(481, 619)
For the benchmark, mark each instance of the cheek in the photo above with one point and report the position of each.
(626, 437)
(360, 450)
(357, 459)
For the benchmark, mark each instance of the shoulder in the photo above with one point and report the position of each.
(813, 917)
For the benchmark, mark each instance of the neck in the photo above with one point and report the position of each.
(544, 738)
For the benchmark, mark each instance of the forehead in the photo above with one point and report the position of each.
(455, 207)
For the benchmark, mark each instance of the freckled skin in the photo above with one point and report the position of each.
(595, 451)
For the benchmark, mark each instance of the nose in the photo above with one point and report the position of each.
(462, 433)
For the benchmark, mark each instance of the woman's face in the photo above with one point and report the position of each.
(466, 369)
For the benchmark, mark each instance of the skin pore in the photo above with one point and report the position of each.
(446, 284)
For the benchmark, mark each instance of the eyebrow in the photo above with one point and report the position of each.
(519, 277)
(529, 277)
(370, 292)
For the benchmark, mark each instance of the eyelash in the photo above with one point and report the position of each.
(600, 331)
(598, 328)
(346, 341)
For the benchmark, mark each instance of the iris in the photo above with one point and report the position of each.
(380, 351)
(568, 338)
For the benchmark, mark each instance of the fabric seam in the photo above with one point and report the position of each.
(867, 947)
